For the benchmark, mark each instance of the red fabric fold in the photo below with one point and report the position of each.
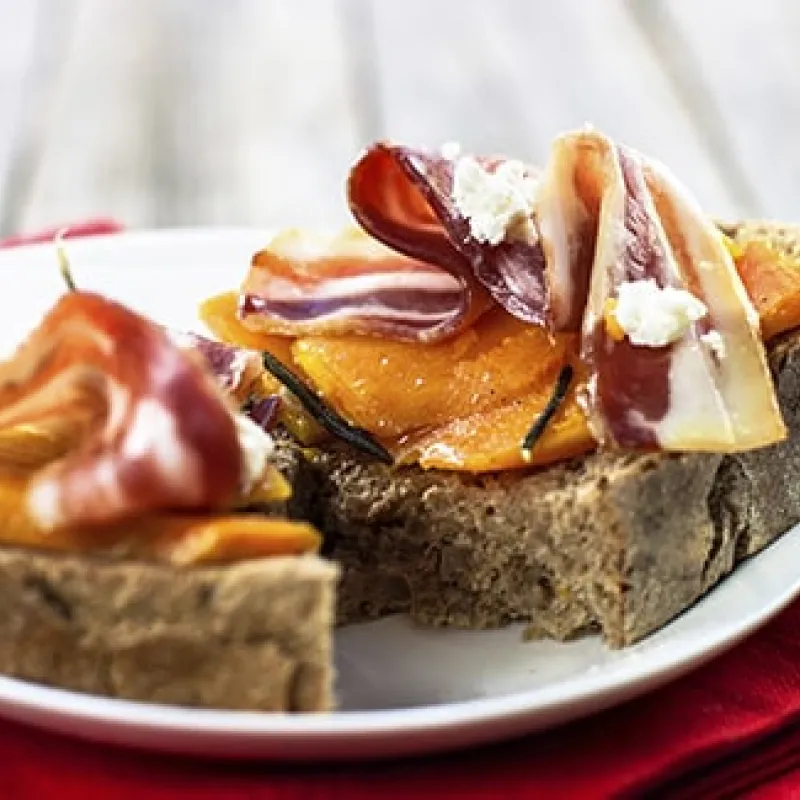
(90, 227)
(730, 729)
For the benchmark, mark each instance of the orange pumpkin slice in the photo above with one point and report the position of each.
(180, 540)
(490, 440)
(773, 282)
(26, 447)
(394, 388)
(196, 541)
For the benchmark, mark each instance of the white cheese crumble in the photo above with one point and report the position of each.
(181, 339)
(238, 368)
(714, 341)
(257, 446)
(656, 317)
(450, 150)
(495, 204)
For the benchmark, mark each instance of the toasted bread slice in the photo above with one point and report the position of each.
(254, 635)
(614, 542)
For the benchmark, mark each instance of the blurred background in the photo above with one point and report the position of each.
(248, 112)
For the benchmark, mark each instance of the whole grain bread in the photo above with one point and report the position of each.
(255, 635)
(616, 543)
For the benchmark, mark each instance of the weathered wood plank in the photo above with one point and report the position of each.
(180, 113)
(243, 112)
(18, 37)
(738, 69)
(258, 126)
(508, 76)
(97, 149)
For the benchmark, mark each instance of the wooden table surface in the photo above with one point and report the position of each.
(176, 112)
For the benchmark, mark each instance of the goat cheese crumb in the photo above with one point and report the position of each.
(450, 150)
(713, 340)
(181, 339)
(257, 447)
(495, 204)
(656, 317)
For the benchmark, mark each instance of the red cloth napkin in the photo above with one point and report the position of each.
(91, 227)
(730, 729)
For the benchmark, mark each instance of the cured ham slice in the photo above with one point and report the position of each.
(161, 435)
(730, 341)
(450, 212)
(351, 283)
(446, 239)
(235, 368)
(683, 368)
(567, 211)
(240, 374)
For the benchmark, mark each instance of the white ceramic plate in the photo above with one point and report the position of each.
(403, 690)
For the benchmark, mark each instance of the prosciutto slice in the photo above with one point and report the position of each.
(428, 261)
(351, 283)
(611, 220)
(236, 369)
(162, 435)
(408, 198)
(567, 212)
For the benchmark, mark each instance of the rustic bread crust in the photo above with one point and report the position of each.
(254, 636)
(614, 543)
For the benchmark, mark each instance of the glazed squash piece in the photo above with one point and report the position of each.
(491, 440)
(220, 540)
(26, 447)
(394, 388)
(772, 280)
(177, 539)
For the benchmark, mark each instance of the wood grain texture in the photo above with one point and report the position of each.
(740, 62)
(98, 152)
(18, 70)
(165, 115)
(171, 112)
(507, 76)
(257, 126)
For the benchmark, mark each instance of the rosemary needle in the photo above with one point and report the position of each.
(323, 414)
(553, 404)
(63, 261)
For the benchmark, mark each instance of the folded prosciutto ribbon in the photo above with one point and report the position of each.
(604, 243)
(155, 431)
(117, 435)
